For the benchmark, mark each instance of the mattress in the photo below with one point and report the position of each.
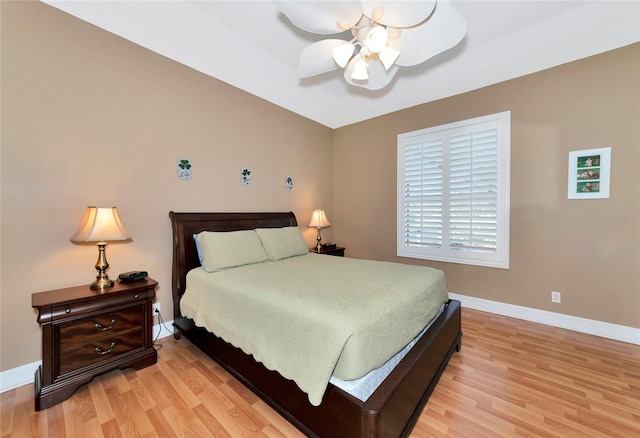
(363, 387)
(313, 316)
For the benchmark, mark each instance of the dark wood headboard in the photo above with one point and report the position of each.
(185, 225)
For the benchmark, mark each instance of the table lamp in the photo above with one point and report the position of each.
(101, 225)
(319, 220)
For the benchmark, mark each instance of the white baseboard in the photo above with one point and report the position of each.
(164, 330)
(18, 376)
(25, 374)
(583, 325)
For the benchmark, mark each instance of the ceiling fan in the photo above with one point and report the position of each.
(386, 35)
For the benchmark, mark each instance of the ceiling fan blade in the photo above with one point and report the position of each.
(442, 31)
(378, 76)
(318, 58)
(323, 17)
(398, 13)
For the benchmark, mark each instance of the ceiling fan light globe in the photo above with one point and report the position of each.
(388, 57)
(377, 14)
(377, 39)
(393, 32)
(342, 54)
(360, 71)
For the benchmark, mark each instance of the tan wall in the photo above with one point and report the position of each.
(91, 119)
(556, 244)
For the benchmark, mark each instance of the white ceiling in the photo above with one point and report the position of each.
(252, 46)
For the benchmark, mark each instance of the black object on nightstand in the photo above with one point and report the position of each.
(132, 276)
(89, 332)
(335, 251)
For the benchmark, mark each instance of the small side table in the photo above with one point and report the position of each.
(337, 251)
(89, 332)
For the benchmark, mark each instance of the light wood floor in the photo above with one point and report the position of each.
(511, 379)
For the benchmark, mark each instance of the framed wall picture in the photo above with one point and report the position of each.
(589, 173)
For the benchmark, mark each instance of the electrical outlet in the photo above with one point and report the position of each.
(556, 297)
(155, 308)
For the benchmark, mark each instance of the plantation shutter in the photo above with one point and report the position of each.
(453, 192)
(473, 187)
(423, 193)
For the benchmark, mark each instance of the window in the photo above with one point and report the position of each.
(453, 192)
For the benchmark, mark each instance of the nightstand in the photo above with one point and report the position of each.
(88, 332)
(337, 251)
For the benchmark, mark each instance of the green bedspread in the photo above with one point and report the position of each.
(312, 316)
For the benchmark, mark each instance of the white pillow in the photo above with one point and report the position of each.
(228, 249)
(281, 243)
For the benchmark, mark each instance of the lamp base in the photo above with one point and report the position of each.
(101, 283)
(102, 279)
(319, 241)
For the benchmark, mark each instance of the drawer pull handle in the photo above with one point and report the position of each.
(99, 350)
(135, 297)
(103, 328)
(67, 310)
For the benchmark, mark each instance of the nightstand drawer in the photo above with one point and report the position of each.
(103, 347)
(83, 307)
(100, 327)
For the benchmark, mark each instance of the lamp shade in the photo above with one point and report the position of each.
(377, 39)
(100, 224)
(388, 56)
(319, 219)
(342, 54)
(360, 72)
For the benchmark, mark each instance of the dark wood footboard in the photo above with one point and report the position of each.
(392, 409)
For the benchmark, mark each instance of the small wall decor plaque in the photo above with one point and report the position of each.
(246, 176)
(589, 173)
(288, 183)
(184, 168)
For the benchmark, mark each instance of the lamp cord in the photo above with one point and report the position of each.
(162, 325)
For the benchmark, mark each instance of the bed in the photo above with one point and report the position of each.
(393, 407)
